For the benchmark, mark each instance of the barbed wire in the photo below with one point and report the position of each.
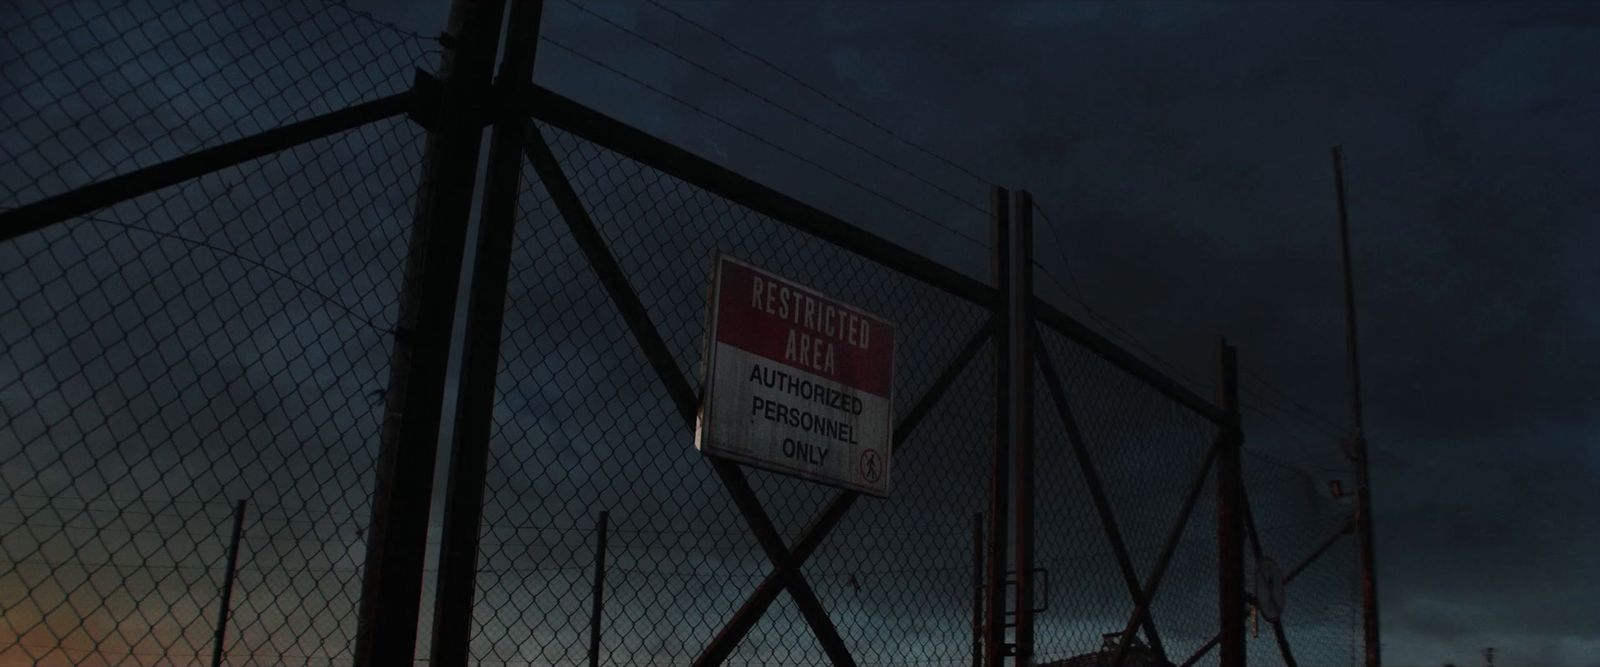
(803, 118)
(177, 353)
(873, 192)
(821, 93)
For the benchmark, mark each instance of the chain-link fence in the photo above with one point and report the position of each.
(221, 339)
(1145, 453)
(582, 427)
(1305, 534)
(227, 336)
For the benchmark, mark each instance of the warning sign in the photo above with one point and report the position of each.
(796, 382)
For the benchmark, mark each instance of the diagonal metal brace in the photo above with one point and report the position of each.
(783, 560)
(610, 273)
(678, 388)
(1300, 567)
(1203, 650)
(722, 645)
(1345, 529)
(1153, 583)
(1097, 492)
(100, 194)
(1255, 549)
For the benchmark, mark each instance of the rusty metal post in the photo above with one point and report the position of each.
(1358, 438)
(977, 589)
(227, 583)
(994, 589)
(1020, 312)
(601, 526)
(480, 356)
(391, 587)
(1230, 515)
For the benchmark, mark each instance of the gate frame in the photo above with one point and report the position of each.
(455, 108)
(786, 560)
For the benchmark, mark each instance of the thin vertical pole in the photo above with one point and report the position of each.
(1230, 515)
(994, 589)
(391, 587)
(977, 589)
(480, 357)
(1358, 437)
(227, 583)
(1020, 332)
(602, 525)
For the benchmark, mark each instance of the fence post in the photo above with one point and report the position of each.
(1020, 302)
(227, 583)
(602, 526)
(480, 356)
(1230, 514)
(977, 589)
(994, 608)
(391, 587)
(1358, 440)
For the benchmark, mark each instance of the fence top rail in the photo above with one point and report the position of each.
(595, 126)
(1120, 357)
(572, 116)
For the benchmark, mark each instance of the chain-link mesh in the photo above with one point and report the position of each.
(228, 338)
(584, 426)
(95, 89)
(1304, 532)
(1147, 452)
(222, 339)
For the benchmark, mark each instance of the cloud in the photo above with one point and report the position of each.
(1182, 150)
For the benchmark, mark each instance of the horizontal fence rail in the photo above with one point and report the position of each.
(207, 213)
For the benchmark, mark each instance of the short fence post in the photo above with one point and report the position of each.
(1373, 646)
(227, 583)
(602, 526)
(994, 608)
(977, 589)
(1230, 515)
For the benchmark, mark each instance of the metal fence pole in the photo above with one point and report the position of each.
(1020, 314)
(602, 526)
(391, 590)
(480, 357)
(227, 583)
(1358, 440)
(977, 589)
(1230, 514)
(994, 608)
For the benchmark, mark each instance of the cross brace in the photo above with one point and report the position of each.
(786, 561)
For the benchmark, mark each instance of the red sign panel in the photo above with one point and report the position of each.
(797, 381)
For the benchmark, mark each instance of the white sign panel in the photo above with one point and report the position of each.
(796, 382)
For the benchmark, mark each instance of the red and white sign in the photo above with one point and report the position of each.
(796, 382)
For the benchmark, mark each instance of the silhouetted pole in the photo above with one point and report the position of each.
(977, 589)
(1230, 515)
(1020, 312)
(602, 525)
(408, 442)
(994, 582)
(480, 355)
(1358, 438)
(227, 583)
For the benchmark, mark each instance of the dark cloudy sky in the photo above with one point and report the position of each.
(1182, 151)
